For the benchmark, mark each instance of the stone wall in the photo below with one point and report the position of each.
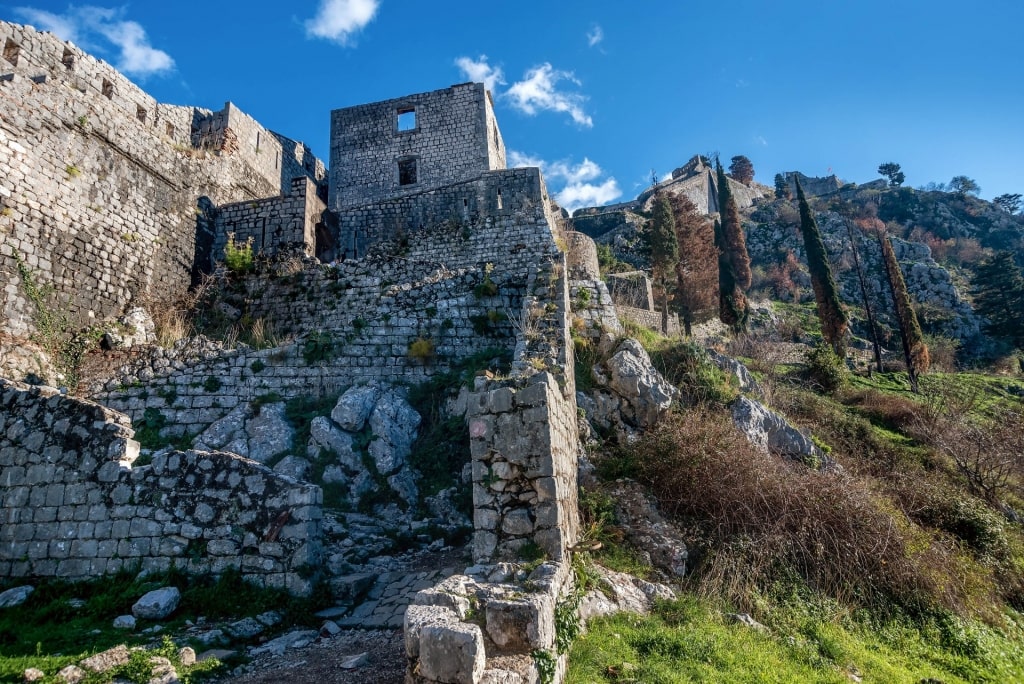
(274, 223)
(368, 312)
(454, 138)
(73, 506)
(524, 435)
(516, 199)
(99, 184)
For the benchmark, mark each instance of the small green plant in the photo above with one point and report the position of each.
(72, 171)
(147, 433)
(238, 257)
(257, 366)
(421, 349)
(212, 384)
(487, 288)
(582, 298)
(547, 665)
(82, 121)
(319, 346)
(130, 237)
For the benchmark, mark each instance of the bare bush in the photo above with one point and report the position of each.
(764, 518)
(987, 447)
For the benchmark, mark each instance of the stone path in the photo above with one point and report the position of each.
(380, 603)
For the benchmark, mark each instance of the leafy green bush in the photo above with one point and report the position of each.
(421, 349)
(319, 346)
(824, 368)
(688, 366)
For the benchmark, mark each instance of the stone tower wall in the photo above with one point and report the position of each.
(455, 139)
(272, 223)
(99, 184)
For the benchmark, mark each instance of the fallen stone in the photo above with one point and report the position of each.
(296, 639)
(745, 619)
(32, 675)
(107, 660)
(355, 662)
(246, 628)
(163, 671)
(72, 674)
(329, 628)
(293, 466)
(630, 374)
(187, 656)
(16, 596)
(158, 604)
(326, 435)
(394, 423)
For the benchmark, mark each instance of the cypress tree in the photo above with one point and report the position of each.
(734, 273)
(732, 232)
(999, 297)
(826, 294)
(732, 303)
(697, 271)
(915, 351)
(664, 248)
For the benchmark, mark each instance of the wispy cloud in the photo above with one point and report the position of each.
(595, 35)
(479, 71)
(579, 185)
(340, 20)
(539, 91)
(760, 140)
(100, 28)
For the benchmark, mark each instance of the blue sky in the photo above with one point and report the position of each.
(602, 93)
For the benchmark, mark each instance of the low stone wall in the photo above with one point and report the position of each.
(274, 223)
(649, 319)
(73, 506)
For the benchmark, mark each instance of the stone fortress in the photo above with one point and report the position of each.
(417, 235)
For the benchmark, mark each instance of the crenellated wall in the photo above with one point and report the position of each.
(100, 185)
(73, 506)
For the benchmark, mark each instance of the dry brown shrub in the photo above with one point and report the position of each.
(763, 518)
(891, 410)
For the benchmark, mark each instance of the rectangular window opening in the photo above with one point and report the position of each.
(68, 60)
(499, 200)
(170, 130)
(407, 172)
(257, 141)
(407, 119)
(12, 51)
(140, 113)
(108, 89)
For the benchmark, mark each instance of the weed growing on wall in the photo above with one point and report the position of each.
(238, 258)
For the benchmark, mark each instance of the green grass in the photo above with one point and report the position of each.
(689, 640)
(47, 632)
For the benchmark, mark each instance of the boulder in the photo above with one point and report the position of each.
(403, 483)
(16, 596)
(731, 366)
(157, 604)
(394, 423)
(72, 674)
(327, 436)
(125, 622)
(221, 432)
(630, 374)
(354, 407)
(107, 660)
(293, 466)
(770, 432)
(33, 675)
(268, 432)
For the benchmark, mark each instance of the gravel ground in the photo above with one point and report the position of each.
(321, 663)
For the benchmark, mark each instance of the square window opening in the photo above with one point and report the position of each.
(12, 51)
(108, 89)
(407, 119)
(407, 172)
(140, 114)
(170, 130)
(68, 60)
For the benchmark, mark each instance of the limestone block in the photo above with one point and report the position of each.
(524, 623)
(452, 653)
(354, 407)
(157, 604)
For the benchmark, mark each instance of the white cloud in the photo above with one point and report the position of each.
(759, 139)
(86, 24)
(595, 35)
(577, 184)
(339, 20)
(538, 91)
(480, 71)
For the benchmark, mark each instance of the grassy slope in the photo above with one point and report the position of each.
(810, 637)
